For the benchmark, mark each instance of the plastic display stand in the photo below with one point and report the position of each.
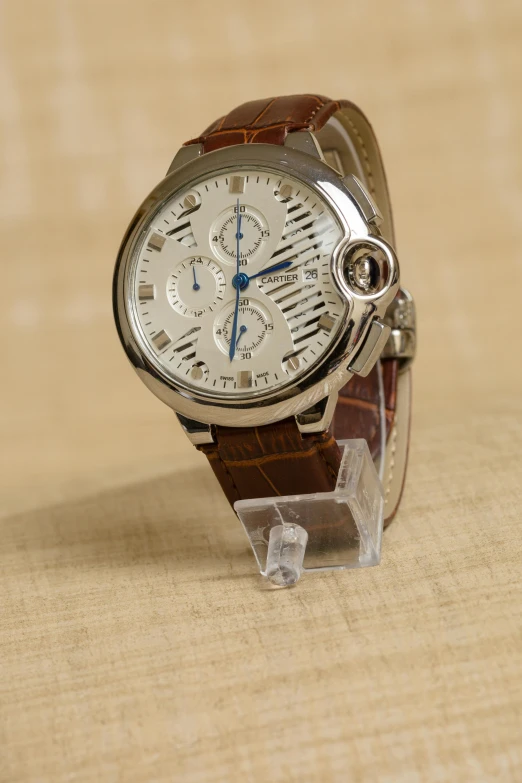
(327, 530)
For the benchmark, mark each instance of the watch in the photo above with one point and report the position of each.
(257, 287)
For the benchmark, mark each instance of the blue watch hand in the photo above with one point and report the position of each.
(275, 268)
(233, 339)
(196, 285)
(242, 330)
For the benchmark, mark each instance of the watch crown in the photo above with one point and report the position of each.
(364, 274)
(366, 268)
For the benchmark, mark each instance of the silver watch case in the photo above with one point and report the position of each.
(333, 372)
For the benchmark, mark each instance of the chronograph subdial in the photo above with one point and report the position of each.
(254, 325)
(196, 286)
(254, 232)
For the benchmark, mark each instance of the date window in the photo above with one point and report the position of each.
(309, 274)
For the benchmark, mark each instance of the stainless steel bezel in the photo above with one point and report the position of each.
(323, 379)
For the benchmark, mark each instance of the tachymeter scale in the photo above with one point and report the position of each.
(196, 286)
(182, 279)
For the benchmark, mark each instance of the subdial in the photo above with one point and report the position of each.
(196, 286)
(254, 231)
(254, 324)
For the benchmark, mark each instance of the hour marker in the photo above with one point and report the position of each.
(161, 340)
(244, 379)
(156, 242)
(237, 184)
(146, 292)
(286, 192)
(293, 363)
(326, 322)
(196, 373)
(190, 201)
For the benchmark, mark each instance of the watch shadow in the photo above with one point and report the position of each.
(179, 523)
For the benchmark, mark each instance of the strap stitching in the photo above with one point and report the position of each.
(320, 106)
(392, 460)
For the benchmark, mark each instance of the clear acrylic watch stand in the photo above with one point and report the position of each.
(326, 530)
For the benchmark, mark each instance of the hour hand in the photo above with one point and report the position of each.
(242, 330)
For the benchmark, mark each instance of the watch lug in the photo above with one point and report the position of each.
(371, 349)
(364, 201)
(196, 431)
(304, 141)
(318, 417)
(185, 155)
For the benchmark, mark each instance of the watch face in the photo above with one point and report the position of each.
(230, 291)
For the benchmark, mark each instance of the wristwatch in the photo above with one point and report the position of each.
(256, 293)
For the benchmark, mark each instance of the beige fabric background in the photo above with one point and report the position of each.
(137, 642)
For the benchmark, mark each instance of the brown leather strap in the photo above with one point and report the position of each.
(268, 121)
(254, 462)
(276, 459)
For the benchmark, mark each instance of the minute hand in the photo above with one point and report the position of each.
(275, 268)
(233, 339)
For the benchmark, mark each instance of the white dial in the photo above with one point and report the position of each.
(270, 237)
(196, 286)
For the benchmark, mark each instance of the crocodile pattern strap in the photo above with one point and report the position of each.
(253, 462)
(268, 121)
(277, 459)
